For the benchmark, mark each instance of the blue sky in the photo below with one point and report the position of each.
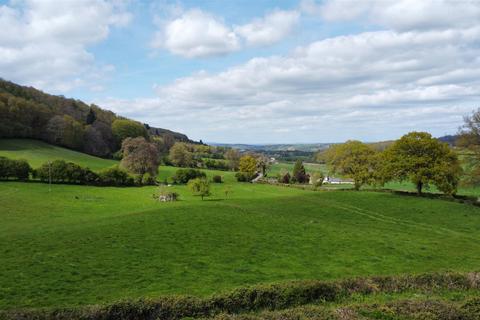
(255, 71)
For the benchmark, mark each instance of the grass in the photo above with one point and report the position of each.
(38, 152)
(82, 245)
(288, 166)
(79, 245)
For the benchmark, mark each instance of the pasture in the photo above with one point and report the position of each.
(80, 245)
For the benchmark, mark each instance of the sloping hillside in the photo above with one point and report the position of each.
(38, 152)
(26, 112)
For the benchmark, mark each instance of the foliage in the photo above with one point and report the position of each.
(15, 169)
(148, 179)
(124, 128)
(233, 158)
(140, 156)
(215, 164)
(180, 155)
(182, 176)
(469, 138)
(317, 179)
(299, 174)
(284, 178)
(60, 171)
(199, 187)
(308, 299)
(217, 179)
(353, 159)
(247, 168)
(165, 195)
(423, 160)
(115, 177)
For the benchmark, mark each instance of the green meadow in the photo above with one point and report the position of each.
(82, 245)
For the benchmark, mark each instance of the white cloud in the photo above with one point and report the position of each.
(270, 29)
(198, 34)
(372, 85)
(400, 15)
(44, 43)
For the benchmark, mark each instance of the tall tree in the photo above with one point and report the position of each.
(299, 172)
(140, 156)
(123, 128)
(233, 158)
(423, 160)
(469, 138)
(248, 166)
(180, 155)
(354, 160)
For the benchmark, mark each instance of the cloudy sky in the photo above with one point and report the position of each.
(255, 71)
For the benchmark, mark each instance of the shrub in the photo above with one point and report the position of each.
(182, 176)
(62, 171)
(284, 178)
(217, 179)
(245, 176)
(115, 177)
(148, 179)
(199, 187)
(16, 169)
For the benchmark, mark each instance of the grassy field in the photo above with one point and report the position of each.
(79, 245)
(82, 245)
(288, 166)
(38, 152)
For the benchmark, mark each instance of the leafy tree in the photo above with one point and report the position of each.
(200, 187)
(248, 166)
(353, 159)
(469, 138)
(180, 155)
(124, 128)
(233, 158)
(140, 156)
(423, 160)
(299, 173)
(16, 169)
(285, 178)
(317, 179)
(263, 163)
(185, 175)
(65, 131)
(90, 116)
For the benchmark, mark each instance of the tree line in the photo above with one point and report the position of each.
(29, 113)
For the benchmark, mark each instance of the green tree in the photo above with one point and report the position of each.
(200, 187)
(248, 166)
(353, 159)
(180, 155)
(469, 138)
(423, 160)
(299, 174)
(233, 158)
(123, 128)
(140, 156)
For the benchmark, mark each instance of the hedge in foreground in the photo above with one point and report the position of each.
(256, 298)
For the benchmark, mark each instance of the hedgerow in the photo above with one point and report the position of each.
(256, 298)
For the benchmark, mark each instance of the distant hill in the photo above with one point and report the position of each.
(26, 112)
(450, 139)
(304, 147)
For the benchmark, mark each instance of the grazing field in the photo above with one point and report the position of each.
(288, 166)
(38, 152)
(80, 245)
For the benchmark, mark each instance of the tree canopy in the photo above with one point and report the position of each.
(140, 156)
(423, 160)
(353, 159)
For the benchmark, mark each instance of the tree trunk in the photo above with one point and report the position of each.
(357, 185)
(419, 187)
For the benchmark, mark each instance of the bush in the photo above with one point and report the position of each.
(244, 176)
(217, 179)
(284, 178)
(60, 171)
(148, 179)
(16, 169)
(182, 176)
(115, 177)
(200, 187)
